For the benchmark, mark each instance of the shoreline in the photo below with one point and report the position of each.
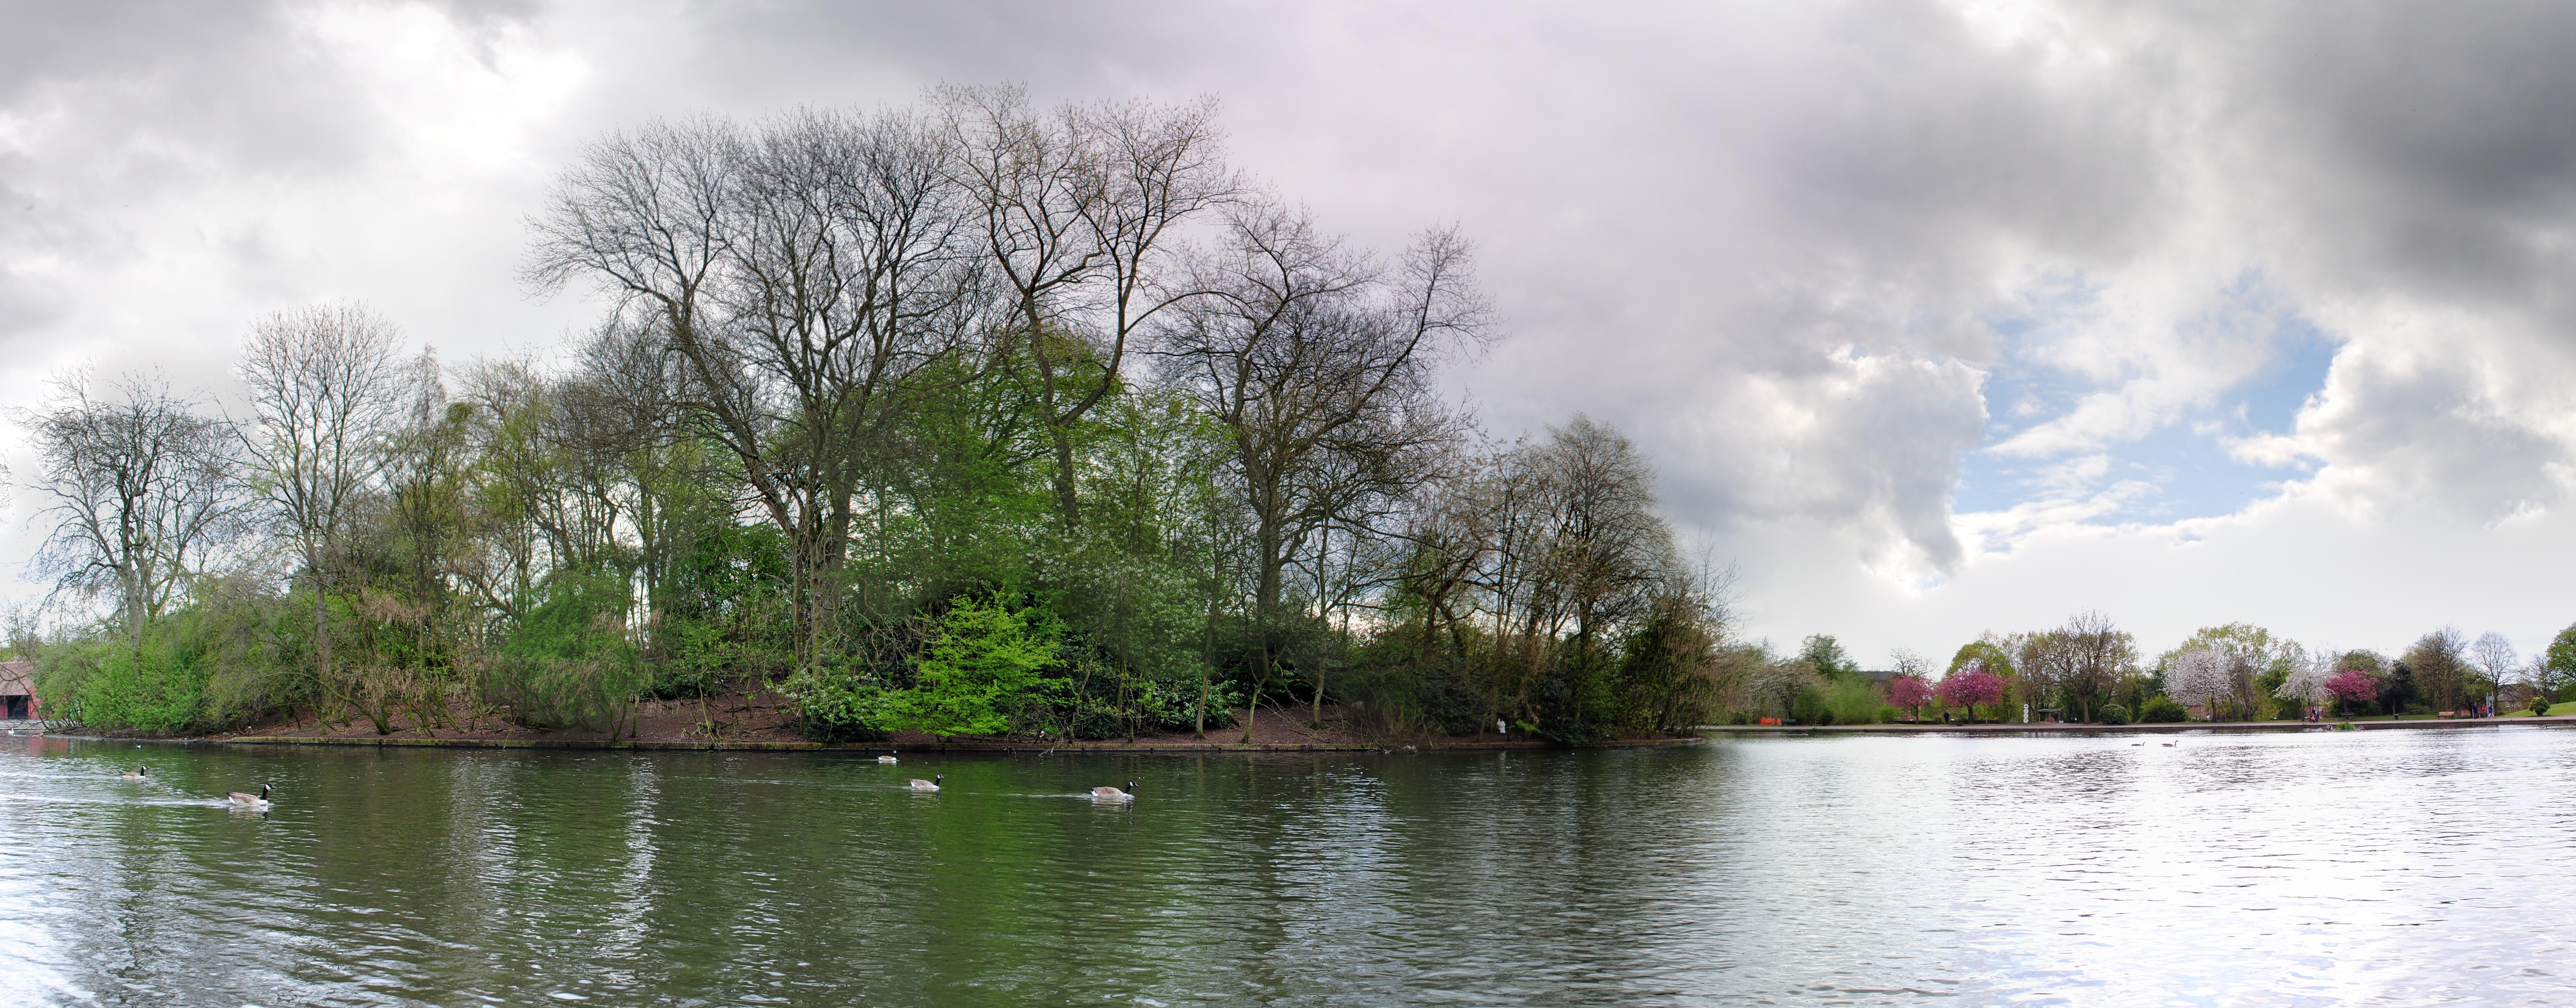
(1193, 748)
(2230, 727)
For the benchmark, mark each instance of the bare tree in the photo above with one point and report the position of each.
(2494, 656)
(2441, 663)
(1318, 365)
(1077, 208)
(326, 390)
(141, 487)
(2099, 655)
(804, 272)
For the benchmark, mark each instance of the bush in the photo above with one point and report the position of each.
(569, 664)
(2161, 709)
(107, 685)
(2115, 713)
(983, 670)
(1840, 701)
(2539, 706)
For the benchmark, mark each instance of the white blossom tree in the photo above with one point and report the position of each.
(2200, 677)
(2307, 681)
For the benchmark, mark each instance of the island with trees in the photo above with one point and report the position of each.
(971, 419)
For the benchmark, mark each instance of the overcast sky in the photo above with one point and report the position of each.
(1937, 318)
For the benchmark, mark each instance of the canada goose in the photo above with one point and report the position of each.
(1113, 794)
(928, 785)
(137, 773)
(2169, 745)
(887, 759)
(257, 801)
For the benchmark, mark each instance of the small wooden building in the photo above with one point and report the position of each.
(18, 690)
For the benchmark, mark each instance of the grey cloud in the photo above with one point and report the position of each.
(2428, 144)
(1764, 240)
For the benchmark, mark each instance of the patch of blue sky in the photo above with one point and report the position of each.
(2186, 461)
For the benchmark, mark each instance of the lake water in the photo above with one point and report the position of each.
(2384, 867)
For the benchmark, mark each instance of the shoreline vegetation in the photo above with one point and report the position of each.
(973, 419)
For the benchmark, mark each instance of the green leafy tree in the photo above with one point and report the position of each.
(1827, 655)
(2558, 666)
(985, 665)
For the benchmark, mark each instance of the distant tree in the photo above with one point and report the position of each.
(1971, 687)
(326, 392)
(2306, 685)
(2353, 687)
(2398, 687)
(1827, 655)
(2559, 662)
(2494, 658)
(1909, 662)
(2442, 671)
(140, 486)
(2253, 663)
(1988, 652)
(2200, 676)
(1909, 692)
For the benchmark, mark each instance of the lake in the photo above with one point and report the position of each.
(2382, 867)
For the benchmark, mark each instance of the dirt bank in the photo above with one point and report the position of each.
(764, 720)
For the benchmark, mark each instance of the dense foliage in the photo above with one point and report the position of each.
(970, 418)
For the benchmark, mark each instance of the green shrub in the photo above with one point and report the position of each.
(2161, 709)
(2540, 705)
(1840, 701)
(982, 671)
(2114, 713)
(842, 703)
(569, 663)
(107, 685)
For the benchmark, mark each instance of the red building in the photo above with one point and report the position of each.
(18, 690)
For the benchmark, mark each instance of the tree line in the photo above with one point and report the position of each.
(2089, 670)
(970, 416)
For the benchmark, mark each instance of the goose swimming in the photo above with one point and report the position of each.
(1105, 793)
(138, 773)
(251, 801)
(887, 759)
(928, 785)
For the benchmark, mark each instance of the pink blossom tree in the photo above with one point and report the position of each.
(2353, 686)
(1909, 692)
(1971, 686)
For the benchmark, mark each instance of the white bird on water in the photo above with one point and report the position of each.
(1105, 793)
(928, 785)
(251, 801)
(887, 759)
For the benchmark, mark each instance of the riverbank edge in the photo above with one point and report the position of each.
(2563, 720)
(1114, 748)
